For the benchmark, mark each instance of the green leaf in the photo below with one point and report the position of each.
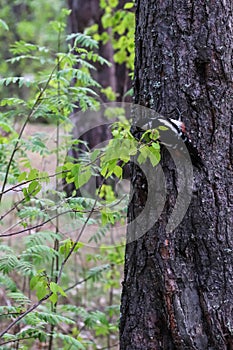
(3, 24)
(113, 3)
(118, 171)
(161, 127)
(22, 176)
(33, 282)
(143, 155)
(65, 247)
(154, 156)
(154, 135)
(156, 145)
(34, 188)
(33, 174)
(61, 291)
(82, 178)
(128, 5)
(106, 20)
(95, 154)
(41, 289)
(54, 287)
(53, 298)
(72, 342)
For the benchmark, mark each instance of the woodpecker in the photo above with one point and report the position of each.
(173, 136)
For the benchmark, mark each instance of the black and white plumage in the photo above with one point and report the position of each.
(173, 136)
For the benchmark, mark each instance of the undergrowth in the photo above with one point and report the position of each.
(57, 291)
(61, 257)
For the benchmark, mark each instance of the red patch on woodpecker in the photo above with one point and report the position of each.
(183, 129)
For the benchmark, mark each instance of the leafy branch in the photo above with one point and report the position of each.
(31, 113)
(34, 306)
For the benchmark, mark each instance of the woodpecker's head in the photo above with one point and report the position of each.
(180, 125)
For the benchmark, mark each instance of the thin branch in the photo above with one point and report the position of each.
(34, 227)
(77, 283)
(75, 243)
(33, 307)
(45, 177)
(35, 179)
(16, 340)
(55, 261)
(79, 235)
(11, 209)
(33, 110)
(82, 281)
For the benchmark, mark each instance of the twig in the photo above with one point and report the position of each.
(16, 340)
(11, 209)
(79, 235)
(76, 242)
(82, 281)
(33, 307)
(34, 107)
(34, 227)
(35, 179)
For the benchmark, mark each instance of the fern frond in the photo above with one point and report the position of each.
(8, 263)
(6, 248)
(12, 101)
(16, 80)
(7, 283)
(85, 64)
(82, 40)
(67, 339)
(25, 267)
(19, 298)
(52, 318)
(99, 235)
(22, 57)
(39, 252)
(8, 310)
(32, 212)
(77, 310)
(26, 332)
(22, 46)
(85, 78)
(96, 272)
(32, 333)
(39, 238)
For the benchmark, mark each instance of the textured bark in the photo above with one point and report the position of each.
(177, 289)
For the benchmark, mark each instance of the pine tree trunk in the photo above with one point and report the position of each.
(178, 285)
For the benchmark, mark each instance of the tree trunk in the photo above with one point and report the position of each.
(177, 289)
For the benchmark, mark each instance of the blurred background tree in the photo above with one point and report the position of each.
(29, 21)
